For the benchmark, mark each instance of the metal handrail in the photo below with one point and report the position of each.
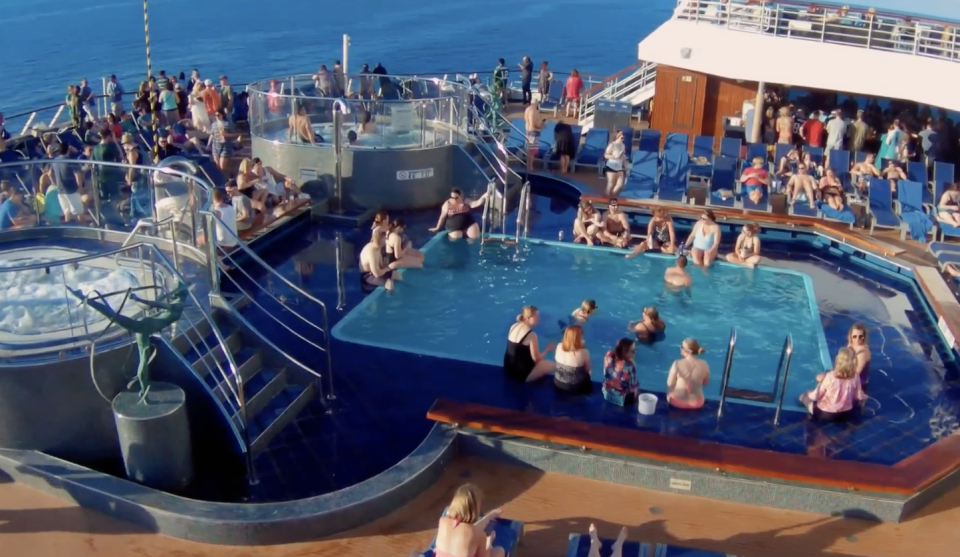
(864, 28)
(785, 357)
(643, 76)
(524, 191)
(487, 200)
(727, 364)
(215, 223)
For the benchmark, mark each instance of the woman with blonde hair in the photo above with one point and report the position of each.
(661, 234)
(857, 341)
(198, 109)
(462, 532)
(650, 327)
(523, 361)
(687, 377)
(572, 370)
(833, 399)
(247, 181)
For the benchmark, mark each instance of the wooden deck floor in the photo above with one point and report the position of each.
(551, 505)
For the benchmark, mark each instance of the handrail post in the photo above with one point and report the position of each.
(484, 228)
(213, 260)
(526, 211)
(520, 206)
(786, 376)
(341, 285)
(728, 363)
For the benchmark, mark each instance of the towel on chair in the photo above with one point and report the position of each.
(920, 224)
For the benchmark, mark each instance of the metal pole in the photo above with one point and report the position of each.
(526, 212)
(786, 376)
(341, 284)
(212, 258)
(338, 151)
(346, 56)
(756, 129)
(153, 98)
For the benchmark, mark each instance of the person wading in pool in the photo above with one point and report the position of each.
(677, 276)
(455, 213)
(616, 227)
(300, 129)
(374, 271)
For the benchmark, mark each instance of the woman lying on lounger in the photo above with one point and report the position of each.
(948, 208)
(461, 532)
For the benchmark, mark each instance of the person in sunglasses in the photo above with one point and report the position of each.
(616, 227)
(857, 341)
(456, 215)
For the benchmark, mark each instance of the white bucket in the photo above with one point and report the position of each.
(647, 404)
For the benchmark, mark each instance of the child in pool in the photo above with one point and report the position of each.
(580, 315)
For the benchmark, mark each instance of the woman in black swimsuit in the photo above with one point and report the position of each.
(523, 361)
(650, 327)
(455, 213)
(660, 235)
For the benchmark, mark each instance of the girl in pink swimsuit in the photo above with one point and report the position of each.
(461, 532)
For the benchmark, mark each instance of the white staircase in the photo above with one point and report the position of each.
(636, 88)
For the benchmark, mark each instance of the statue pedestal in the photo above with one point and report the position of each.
(155, 436)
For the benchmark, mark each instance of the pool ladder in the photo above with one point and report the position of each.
(779, 388)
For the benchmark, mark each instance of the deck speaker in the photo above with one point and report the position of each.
(685, 53)
(612, 114)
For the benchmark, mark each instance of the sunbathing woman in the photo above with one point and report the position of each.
(461, 532)
(660, 234)
(650, 327)
(747, 249)
(587, 224)
(595, 544)
(831, 190)
(455, 214)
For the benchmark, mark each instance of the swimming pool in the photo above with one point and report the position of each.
(462, 303)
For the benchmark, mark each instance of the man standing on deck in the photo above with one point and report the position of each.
(115, 93)
(501, 76)
(858, 132)
(526, 74)
(534, 123)
(67, 179)
(836, 131)
(226, 99)
(107, 177)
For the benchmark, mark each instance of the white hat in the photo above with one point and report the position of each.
(207, 82)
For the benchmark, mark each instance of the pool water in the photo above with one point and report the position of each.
(385, 137)
(461, 304)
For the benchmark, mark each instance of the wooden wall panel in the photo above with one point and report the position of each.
(724, 98)
(678, 102)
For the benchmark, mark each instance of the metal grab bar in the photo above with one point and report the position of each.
(728, 363)
(520, 209)
(785, 358)
(484, 228)
(644, 75)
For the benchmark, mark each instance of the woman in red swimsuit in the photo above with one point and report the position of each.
(462, 533)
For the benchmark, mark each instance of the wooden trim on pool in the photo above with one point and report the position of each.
(906, 477)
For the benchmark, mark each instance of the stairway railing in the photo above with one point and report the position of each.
(243, 261)
(785, 356)
(621, 87)
(727, 364)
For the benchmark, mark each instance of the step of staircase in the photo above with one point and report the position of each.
(278, 413)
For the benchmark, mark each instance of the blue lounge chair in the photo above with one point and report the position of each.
(917, 172)
(910, 207)
(545, 141)
(860, 156)
(754, 150)
(945, 229)
(839, 162)
(554, 94)
(702, 149)
(936, 248)
(724, 178)
(730, 147)
(594, 144)
(673, 181)
(579, 546)
(816, 153)
(779, 152)
(802, 209)
(642, 179)
(942, 174)
(649, 141)
(627, 139)
(881, 205)
(508, 536)
(676, 143)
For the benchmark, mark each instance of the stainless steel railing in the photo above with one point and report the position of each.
(619, 88)
(851, 26)
(727, 364)
(785, 356)
(245, 262)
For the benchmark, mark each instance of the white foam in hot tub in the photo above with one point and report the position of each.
(35, 302)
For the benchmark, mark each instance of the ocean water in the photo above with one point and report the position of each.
(461, 304)
(47, 44)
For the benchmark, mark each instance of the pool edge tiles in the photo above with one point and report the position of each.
(337, 331)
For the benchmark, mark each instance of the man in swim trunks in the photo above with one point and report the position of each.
(616, 227)
(678, 275)
(802, 181)
(534, 124)
(861, 173)
(374, 271)
(300, 129)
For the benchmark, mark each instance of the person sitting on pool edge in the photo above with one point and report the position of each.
(455, 214)
(705, 239)
(660, 235)
(587, 224)
(747, 249)
(374, 271)
(687, 377)
(523, 361)
(572, 371)
(615, 229)
(839, 391)
(400, 248)
(650, 327)
(620, 385)
(677, 276)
